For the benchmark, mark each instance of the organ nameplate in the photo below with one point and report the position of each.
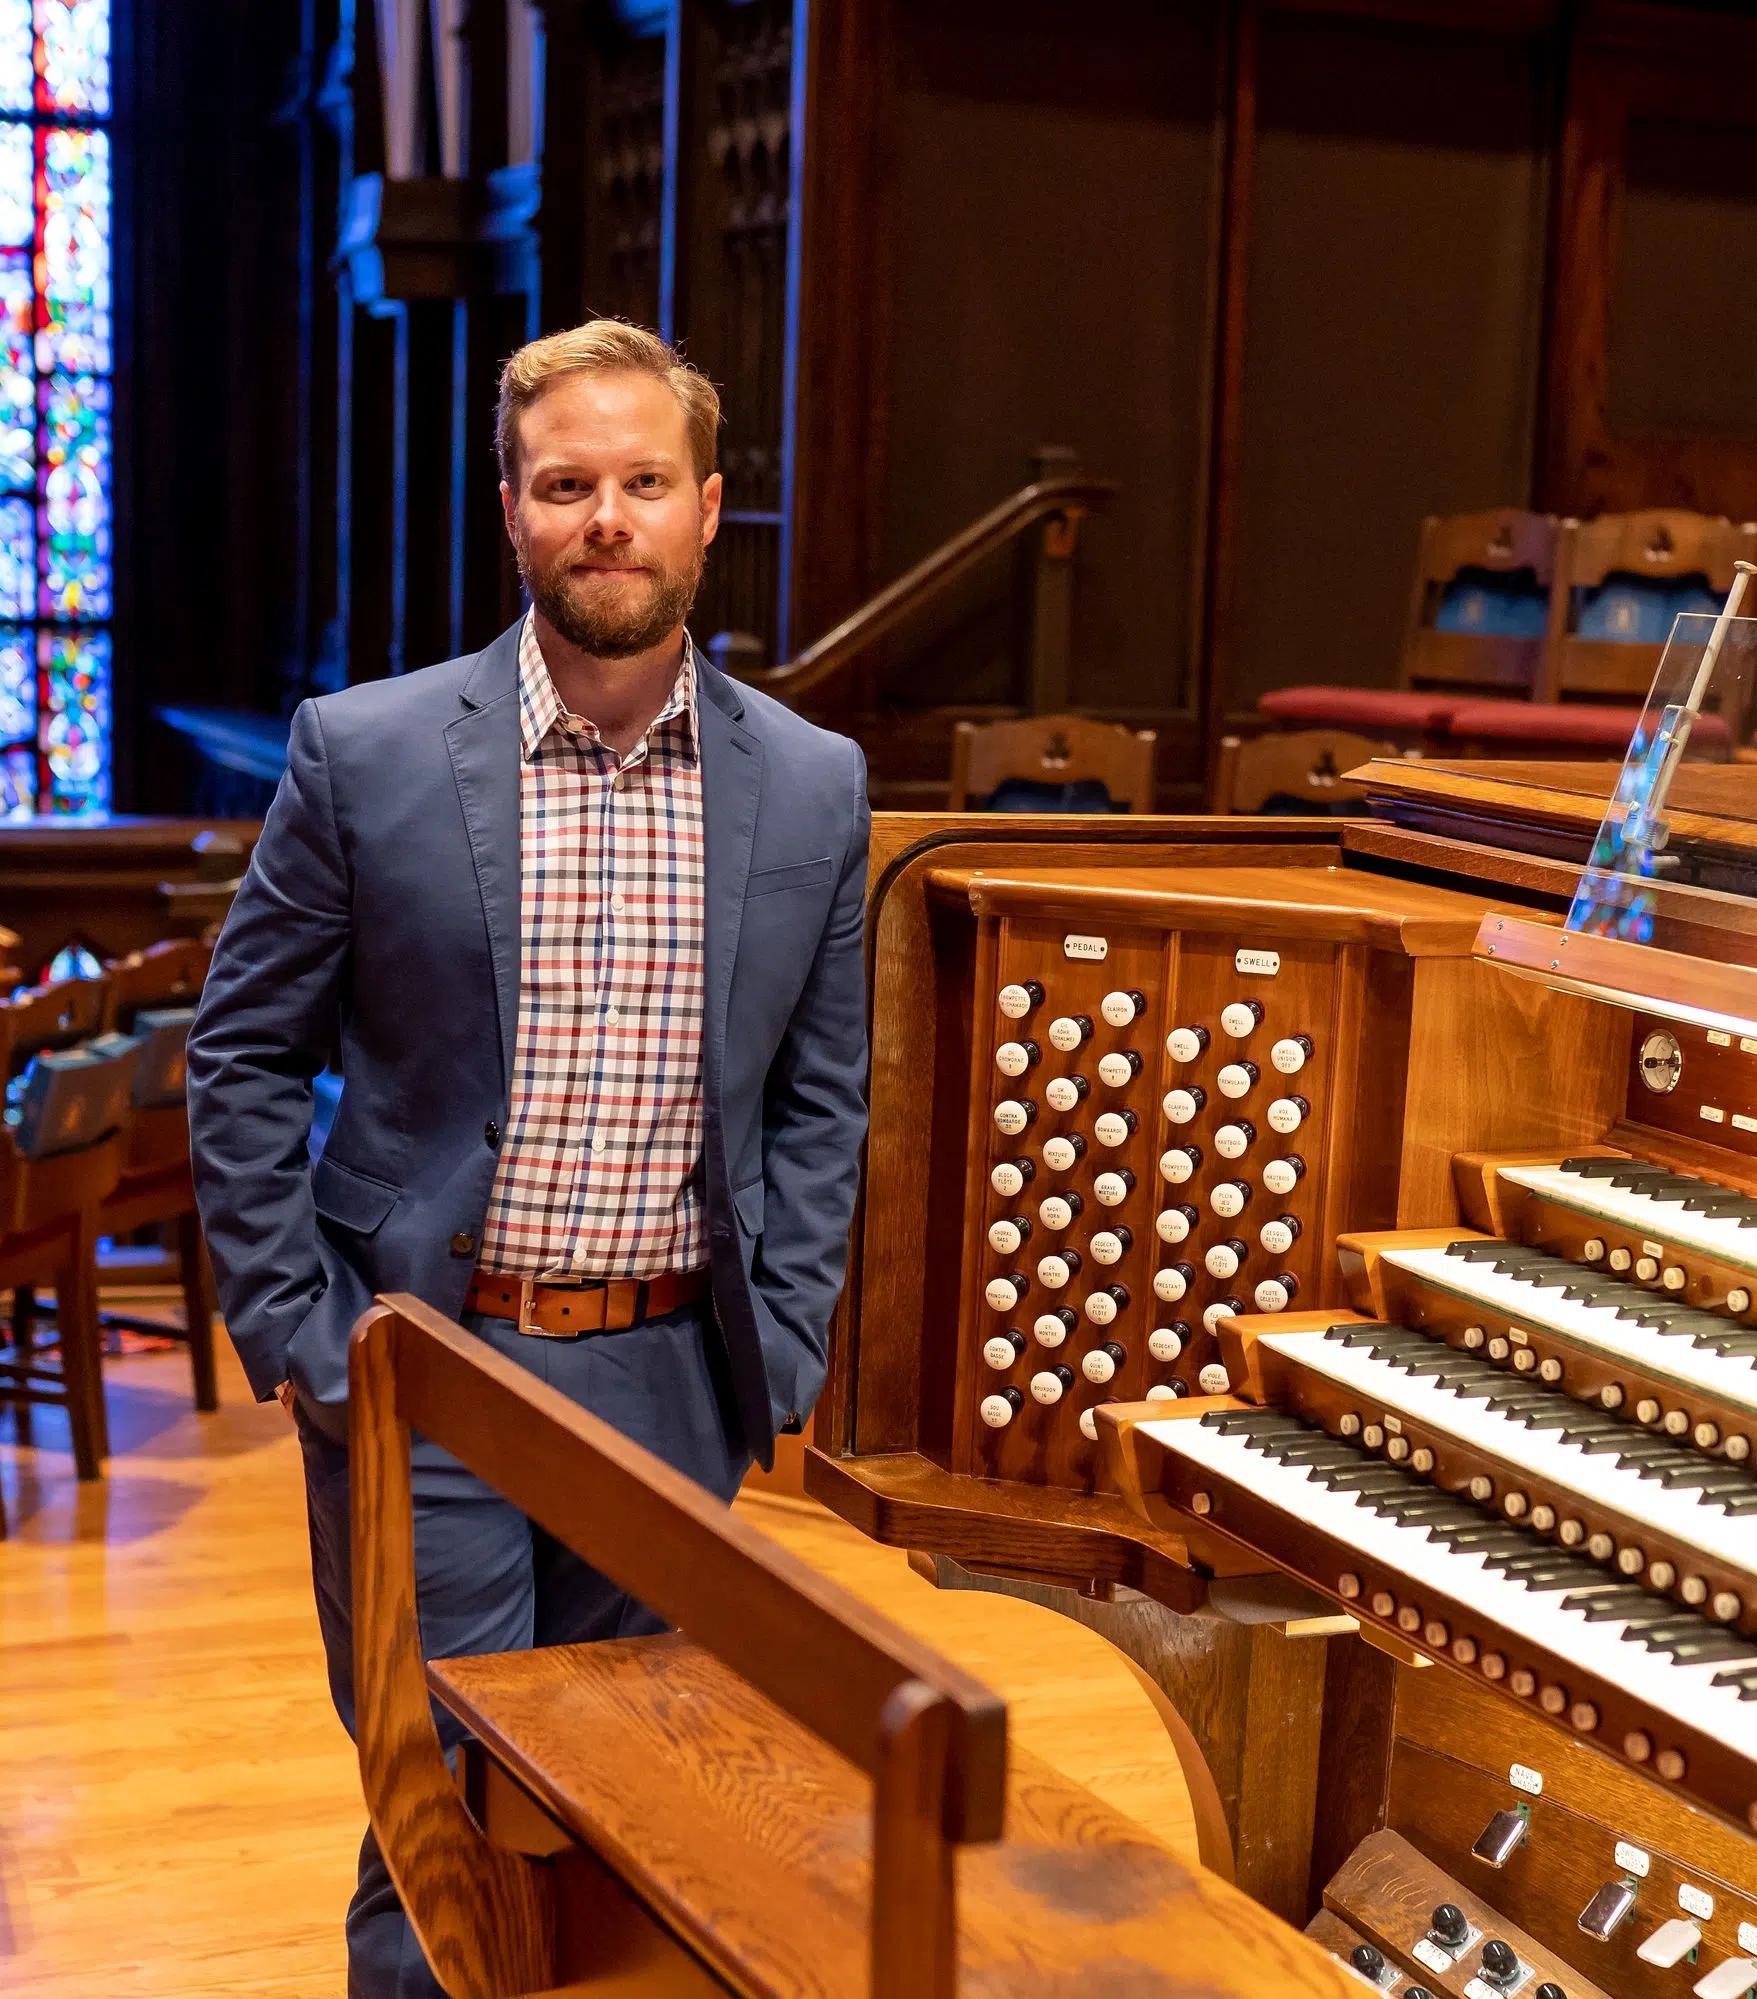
(1716, 1039)
(1748, 1931)
(1430, 1956)
(1712, 1114)
(1525, 1779)
(1259, 964)
(1089, 950)
(1653, 1249)
(1631, 1859)
(1695, 1901)
(1743, 1123)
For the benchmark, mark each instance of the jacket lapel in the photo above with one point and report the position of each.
(484, 746)
(732, 776)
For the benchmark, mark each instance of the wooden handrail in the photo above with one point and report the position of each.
(1068, 500)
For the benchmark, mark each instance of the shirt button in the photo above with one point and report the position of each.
(616, 904)
(621, 781)
(491, 1135)
(597, 1145)
(613, 1016)
(463, 1245)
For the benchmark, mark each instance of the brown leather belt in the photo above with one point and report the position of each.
(560, 1311)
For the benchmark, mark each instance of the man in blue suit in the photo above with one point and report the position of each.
(585, 921)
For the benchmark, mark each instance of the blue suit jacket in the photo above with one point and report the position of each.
(381, 910)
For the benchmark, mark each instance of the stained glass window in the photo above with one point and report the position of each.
(56, 585)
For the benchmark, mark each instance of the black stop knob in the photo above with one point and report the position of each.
(1368, 1960)
(1448, 1926)
(1549, 1989)
(1417, 1992)
(1500, 1963)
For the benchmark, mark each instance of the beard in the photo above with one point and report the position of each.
(618, 621)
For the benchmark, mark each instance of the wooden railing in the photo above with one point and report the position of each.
(1059, 504)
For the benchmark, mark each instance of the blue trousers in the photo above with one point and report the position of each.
(487, 1579)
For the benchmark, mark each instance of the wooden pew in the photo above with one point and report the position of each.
(793, 1797)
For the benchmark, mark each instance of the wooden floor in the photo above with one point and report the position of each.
(179, 1808)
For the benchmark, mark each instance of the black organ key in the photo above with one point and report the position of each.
(1604, 1169)
(1744, 1678)
(1708, 1646)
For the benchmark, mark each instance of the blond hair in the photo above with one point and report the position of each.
(603, 347)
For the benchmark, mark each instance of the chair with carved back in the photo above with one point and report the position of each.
(1051, 763)
(61, 1153)
(1620, 581)
(1301, 772)
(790, 1795)
(1480, 604)
(152, 995)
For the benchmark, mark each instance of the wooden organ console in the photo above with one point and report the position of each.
(1359, 1335)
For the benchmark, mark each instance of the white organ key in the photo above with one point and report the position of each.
(1730, 1377)
(1670, 1944)
(1685, 1693)
(1722, 1239)
(1463, 1411)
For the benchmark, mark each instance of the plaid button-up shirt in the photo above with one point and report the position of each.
(600, 1166)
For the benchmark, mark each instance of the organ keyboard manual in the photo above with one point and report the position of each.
(1322, 1256)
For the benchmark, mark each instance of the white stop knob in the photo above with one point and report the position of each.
(1232, 1141)
(1106, 1248)
(1003, 1293)
(1062, 1093)
(1216, 1314)
(1184, 1044)
(1214, 1379)
(1007, 1180)
(1101, 1308)
(1116, 1070)
(1271, 1295)
(1098, 1366)
(1276, 1237)
(1053, 1271)
(1004, 1238)
(1015, 1002)
(1065, 1034)
(1059, 1154)
(1046, 1387)
(1011, 1117)
(1281, 1176)
(1160, 1393)
(1048, 1331)
(1118, 1008)
(997, 1411)
(1111, 1129)
(999, 1354)
(1054, 1213)
(1012, 1058)
(1112, 1190)
(1172, 1226)
(1169, 1285)
(1234, 1080)
(1228, 1199)
(1088, 1426)
(1222, 1260)
(1285, 1115)
(1289, 1056)
(1175, 1166)
(1240, 1018)
(1180, 1106)
(1162, 1344)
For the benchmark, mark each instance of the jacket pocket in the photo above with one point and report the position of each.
(748, 1202)
(355, 1201)
(801, 874)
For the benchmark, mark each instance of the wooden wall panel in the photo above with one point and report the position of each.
(1393, 327)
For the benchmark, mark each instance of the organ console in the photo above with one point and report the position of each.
(1281, 1250)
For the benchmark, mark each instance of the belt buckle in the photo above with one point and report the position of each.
(527, 1299)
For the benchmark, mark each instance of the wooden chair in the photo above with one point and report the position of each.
(1043, 756)
(50, 1194)
(1305, 770)
(1620, 581)
(157, 1187)
(1480, 604)
(691, 1814)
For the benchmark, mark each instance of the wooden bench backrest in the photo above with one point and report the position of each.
(931, 1737)
(168, 974)
(1053, 749)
